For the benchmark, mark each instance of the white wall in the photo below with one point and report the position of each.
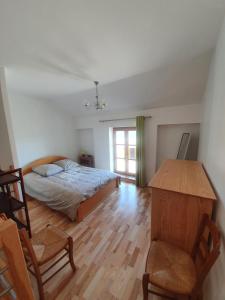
(212, 153)
(85, 141)
(168, 142)
(160, 116)
(7, 146)
(40, 129)
(5, 149)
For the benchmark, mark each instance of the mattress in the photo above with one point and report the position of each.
(66, 190)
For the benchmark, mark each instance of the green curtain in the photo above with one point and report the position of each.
(140, 172)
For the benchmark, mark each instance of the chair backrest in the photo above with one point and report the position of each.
(207, 248)
(28, 250)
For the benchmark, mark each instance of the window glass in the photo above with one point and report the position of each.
(132, 152)
(120, 151)
(132, 137)
(120, 165)
(132, 166)
(120, 137)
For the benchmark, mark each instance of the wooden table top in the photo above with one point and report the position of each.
(183, 176)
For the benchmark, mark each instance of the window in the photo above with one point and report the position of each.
(125, 150)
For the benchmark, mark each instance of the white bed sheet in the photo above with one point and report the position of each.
(65, 190)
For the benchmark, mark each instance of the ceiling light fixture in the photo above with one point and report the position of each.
(100, 104)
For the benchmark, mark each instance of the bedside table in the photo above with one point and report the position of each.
(86, 160)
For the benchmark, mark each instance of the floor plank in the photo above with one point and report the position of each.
(110, 247)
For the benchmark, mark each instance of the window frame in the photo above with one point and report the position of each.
(126, 156)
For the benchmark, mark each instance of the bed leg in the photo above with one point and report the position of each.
(79, 217)
(118, 180)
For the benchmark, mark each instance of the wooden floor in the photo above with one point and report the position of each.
(110, 247)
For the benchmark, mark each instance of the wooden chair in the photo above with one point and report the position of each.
(44, 246)
(175, 274)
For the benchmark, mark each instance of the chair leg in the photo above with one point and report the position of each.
(70, 241)
(40, 286)
(197, 295)
(41, 290)
(145, 281)
(200, 295)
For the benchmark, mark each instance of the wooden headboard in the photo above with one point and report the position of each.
(44, 160)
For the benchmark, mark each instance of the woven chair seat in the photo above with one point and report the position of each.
(48, 242)
(171, 268)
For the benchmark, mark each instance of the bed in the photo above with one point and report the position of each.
(75, 192)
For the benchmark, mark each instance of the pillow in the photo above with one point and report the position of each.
(47, 170)
(66, 164)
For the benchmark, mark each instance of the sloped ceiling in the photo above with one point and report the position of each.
(54, 49)
(178, 84)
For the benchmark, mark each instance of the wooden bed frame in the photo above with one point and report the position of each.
(87, 206)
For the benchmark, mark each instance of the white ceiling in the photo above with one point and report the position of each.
(177, 84)
(54, 49)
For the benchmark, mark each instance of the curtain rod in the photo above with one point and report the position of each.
(133, 118)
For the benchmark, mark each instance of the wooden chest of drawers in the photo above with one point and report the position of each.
(87, 160)
(181, 193)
